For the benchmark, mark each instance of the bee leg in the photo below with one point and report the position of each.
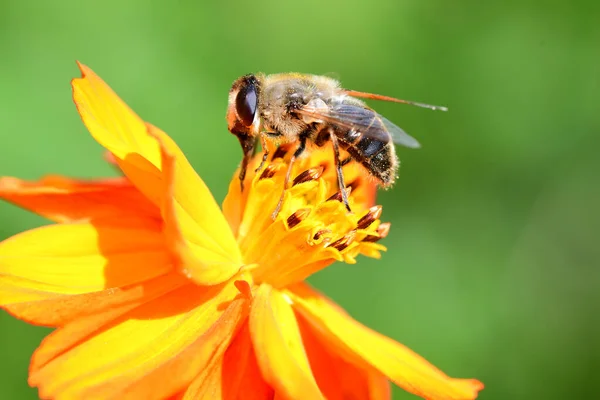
(338, 167)
(263, 143)
(243, 169)
(297, 153)
(248, 145)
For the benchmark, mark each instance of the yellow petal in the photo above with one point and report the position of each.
(361, 345)
(116, 127)
(153, 351)
(196, 229)
(80, 258)
(65, 200)
(278, 346)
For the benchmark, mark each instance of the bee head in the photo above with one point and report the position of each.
(242, 119)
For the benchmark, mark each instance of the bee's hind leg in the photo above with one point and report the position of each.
(338, 167)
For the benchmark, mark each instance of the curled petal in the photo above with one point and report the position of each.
(278, 346)
(66, 200)
(79, 258)
(196, 229)
(152, 351)
(363, 346)
(116, 127)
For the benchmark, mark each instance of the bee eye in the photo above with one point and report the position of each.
(245, 103)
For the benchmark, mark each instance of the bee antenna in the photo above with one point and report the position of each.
(423, 105)
(365, 95)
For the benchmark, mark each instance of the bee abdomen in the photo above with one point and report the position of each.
(369, 146)
(383, 164)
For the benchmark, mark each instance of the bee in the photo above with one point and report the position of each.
(310, 109)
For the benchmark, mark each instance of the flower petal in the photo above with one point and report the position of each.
(337, 378)
(151, 352)
(363, 346)
(64, 309)
(236, 376)
(278, 346)
(88, 322)
(66, 200)
(196, 229)
(198, 232)
(116, 127)
(80, 258)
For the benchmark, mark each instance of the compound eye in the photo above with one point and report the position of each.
(245, 103)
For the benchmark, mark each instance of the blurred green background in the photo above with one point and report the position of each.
(493, 263)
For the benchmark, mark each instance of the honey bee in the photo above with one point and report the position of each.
(311, 109)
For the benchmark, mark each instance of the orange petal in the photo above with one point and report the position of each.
(278, 346)
(338, 379)
(64, 309)
(153, 351)
(196, 229)
(88, 322)
(80, 258)
(363, 346)
(236, 376)
(116, 127)
(65, 200)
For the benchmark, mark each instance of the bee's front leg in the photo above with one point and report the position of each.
(265, 148)
(248, 145)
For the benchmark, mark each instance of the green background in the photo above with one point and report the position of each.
(493, 263)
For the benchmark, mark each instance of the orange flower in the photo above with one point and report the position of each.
(157, 293)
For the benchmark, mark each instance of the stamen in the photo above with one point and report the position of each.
(244, 288)
(311, 174)
(355, 183)
(320, 233)
(338, 195)
(345, 241)
(280, 152)
(268, 172)
(373, 214)
(382, 231)
(297, 217)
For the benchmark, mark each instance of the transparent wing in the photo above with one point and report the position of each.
(362, 119)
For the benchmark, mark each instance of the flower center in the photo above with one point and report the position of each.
(313, 227)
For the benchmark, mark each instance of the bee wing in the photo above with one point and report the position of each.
(362, 119)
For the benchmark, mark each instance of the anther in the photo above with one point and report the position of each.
(344, 242)
(320, 233)
(373, 214)
(280, 152)
(297, 217)
(268, 172)
(382, 232)
(308, 175)
(338, 195)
